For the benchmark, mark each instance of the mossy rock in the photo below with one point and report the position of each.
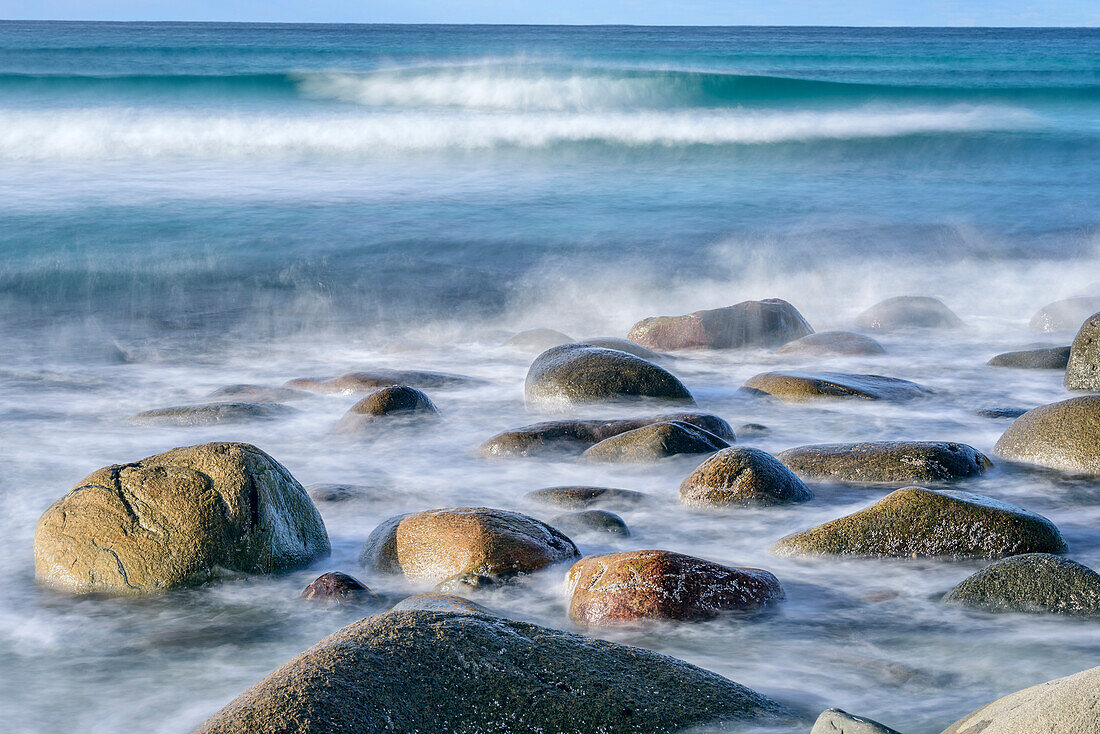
(742, 476)
(793, 386)
(1066, 314)
(591, 521)
(210, 414)
(1046, 358)
(1083, 366)
(908, 312)
(360, 382)
(1034, 582)
(833, 343)
(655, 442)
(588, 497)
(578, 373)
(1063, 436)
(1069, 705)
(886, 461)
(767, 323)
(395, 400)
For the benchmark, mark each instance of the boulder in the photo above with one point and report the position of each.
(591, 521)
(357, 382)
(624, 345)
(1033, 582)
(577, 373)
(467, 582)
(440, 603)
(209, 414)
(767, 323)
(999, 413)
(438, 544)
(538, 340)
(886, 461)
(1083, 366)
(444, 672)
(338, 588)
(587, 497)
(331, 493)
(908, 312)
(1065, 314)
(1046, 358)
(1064, 436)
(742, 476)
(922, 523)
(612, 588)
(753, 429)
(655, 442)
(180, 518)
(829, 343)
(395, 400)
(257, 394)
(835, 721)
(800, 386)
(1068, 705)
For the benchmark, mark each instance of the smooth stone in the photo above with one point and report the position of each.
(1083, 367)
(908, 312)
(1069, 705)
(1000, 412)
(588, 497)
(752, 429)
(1034, 582)
(577, 373)
(356, 382)
(1065, 315)
(836, 721)
(597, 521)
(538, 340)
(331, 493)
(767, 323)
(612, 588)
(1046, 358)
(468, 582)
(886, 461)
(338, 588)
(181, 518)
(1063, 436)
(827, 343)
(448, 603)
(212, 413)
(624, 345)
(447, 672)
(915, 522)
(794, 386)
(395, 400)
(257, 394)
(742, 476)
(655, 442)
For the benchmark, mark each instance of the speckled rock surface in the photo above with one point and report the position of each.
(908, 312)
(795, 386)
(836, 721)
(655, 442)
(886, 461)
(1045, 358)
(578, 373)
(1069, 705)
(767, 323)
(825, 343)
(1083, 367)
(742, 476)
(1064, 436)
(1034, 582)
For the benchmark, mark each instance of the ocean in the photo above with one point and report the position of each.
(188, 206)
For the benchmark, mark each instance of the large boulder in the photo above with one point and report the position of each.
(908, 312)
(1045, 358)
(833, 343)
(209, 414)
(800, 386)
(179, 518)
(1083, 367)
(766, 323)
(357, 382)
(742, 476)
(612, 588)
(578, 373)
(1069, 705)
(915, 522)
(395, 400)
(468, 673)
(886, 461)
(437, 544)
(655, 442)
(1033, 582)
(1065, 314)
(836, 721)
(587, 497)
(1064, 436)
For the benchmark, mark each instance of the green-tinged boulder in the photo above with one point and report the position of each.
(1068, 705)
(1045, 358)
(578, 373)
(1083, 366)
(833, 343)
(886, 461)
(742, 476)
(767, 323)
(908, 312)
(1034, 582)
(793, 386)
(655, 442)
(1063, 436)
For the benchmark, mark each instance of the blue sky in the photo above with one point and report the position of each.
(651, 12)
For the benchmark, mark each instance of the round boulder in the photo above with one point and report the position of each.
(742, 476)
(591, 521)
(655, 442)
(578, 373)
(1068, 705)
(830, 343)
(338, 588)
(1064, 436)
(1083, 367)
(586, 497)
(801, 386)
(886, 461)
(1065, 314)
(1047, 358)
(908, 312)
(395, 400)
(767, 323)
(1034, 582)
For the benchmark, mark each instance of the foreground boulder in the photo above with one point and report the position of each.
(766, 323)
(915, 522)
(578, 373)
(835, 721)
(829, 343)
(443, 672)
(886, 461)
(210, 414)
(1063, 436)
(1046, 358)
(799, 386)
(1068, 705)
(742, 476)
(591, 521)
(355, 382)
(611, 588)
(176, 519)
(1083, 367)
(1033, 582)
(586, 497)
(437, 544)
(908, 312)
(339, 588)
(395, 400)
(655, 442)
(1065, 314)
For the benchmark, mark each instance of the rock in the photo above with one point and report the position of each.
(753, 429)
(1047, 358)
(437, 544)
(356, 382)
(212, 413)
(828, 343)
(612, 588)
(468, 582)
(886, 461)
(445, 672)
(624, 345)
(921, 523)
(1083, 366)
(767, 323)
(351, 493)
(1000, 412)
(339, 588)
(440, 603)
(655, 442)
(587, 497)
(1064, 436)
(1034, 582)
(538, 340)
(577, 373)
(179, 518)
(599, 521)
(257, 394)
(1065, 314)
(1068, 705)
(908, 312)
(395, 400)
(835, 721)
(742, 476)
(799, 386)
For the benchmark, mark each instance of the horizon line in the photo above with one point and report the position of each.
(548, 25)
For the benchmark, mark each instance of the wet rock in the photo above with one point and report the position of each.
(257, 394)
(611, 588)
(1000, 412)
(395, 400)
(1047, 358)
(591, 521)
(827, 343)
(753, 429)
(577, 373)
(437, 544)
(908, 312)
(1065, 314)
(655, 442)
(835, 721)
(1083, 366)
(447, 603)
(588, 497)
(339, 588)
(1068, 705)
(742, 476)
(538, 340)
(212, 413)
(1064, 436)
(435, 672)
(1033, 582)
(767, 323)
(915, 522)
(624, 345)
(466, 582)
(886, 461)
(331, 493)
(799, 386)
(356, 382)
(180, 518)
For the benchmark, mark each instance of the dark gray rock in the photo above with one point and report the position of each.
(767, 323)
(1064, 436)
(1047, 358)
(742, 476)
(212, 413)
(1083, 366)
(598, 521)
(1033, 582)
(578, 373)
(908, 312)
(886, 461)
(588, 497)
(655, 442)
(1000, 412)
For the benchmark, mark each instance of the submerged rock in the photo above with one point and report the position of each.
(1046, 358)
(799, 386)
(395, 400)
(466, 582)
(355, 382)
(1033, 582)
(767, 323)
(436, 672)
(742, 476)
(1065, 314)
(655, 442)
(835, 721)
(826, 343)
(257, 394)
(538, 340)
(1000, 412)
(577, 373)
(179, 518)
(1064, 436)
(624, 345)
(908, 312)
(1068, 705)
(611, 588)
(352, 493)
(339, 588)
(586, 497)
(440, 603)
(212, 413)
(1083, 366)
(598, 521)
(915, 522)
(886, 461)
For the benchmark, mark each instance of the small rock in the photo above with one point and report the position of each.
(357, 382)
(886, 461)
(908, 312)
(742, 476)
(577, 373)
(440, 603)
(395, 400)
(587, 497)
(767, 323)
(655, 442)
(828, 343)
(1033, 582)
(1083, 366)
(752, 429)
(468, 582)
(1000, 412)
(835, 721)
(1068, 705)
(257, 394)
(1065, 314)
(599, 521)
(339, 588)
(799, 386)
(538, 340)
(350, 493)
(212, 413)
(624, 345)
(1062, 436)
(1047, 358)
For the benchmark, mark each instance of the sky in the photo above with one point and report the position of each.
(640, 12)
